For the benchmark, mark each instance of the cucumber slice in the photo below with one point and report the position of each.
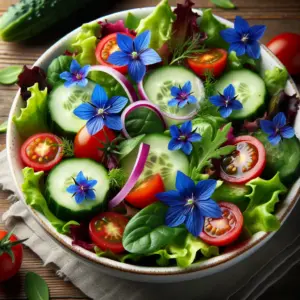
(61, 203)
(62, 102)
(157, 85)
(250, 90)
(160, 160)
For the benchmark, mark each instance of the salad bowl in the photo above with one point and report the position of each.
(212, 265)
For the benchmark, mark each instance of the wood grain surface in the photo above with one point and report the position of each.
(278, 15)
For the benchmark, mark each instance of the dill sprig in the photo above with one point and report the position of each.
(67, 147)
(117, 178)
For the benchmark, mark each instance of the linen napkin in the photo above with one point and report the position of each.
(232, 283)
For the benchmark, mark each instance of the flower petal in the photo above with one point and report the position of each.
(91, 183)
(186, 127)
(175, 144)
(75, 67)
(182, 104)
(229, 92)
(184, 184)
(66, 76)
(267, 126)
(80, 178)
(171, 198)
(274, 139)
(70, 83)
(175, 90)
(187, 148)
(94, 125)
(194, 221)
(257, 31)
(205, 188)
(85, 111)
(241, 25)
(173, 102)
(90, 194)
(235, 104)
(84, 70)
(99, 97)
(238, 47)
(72, 188)
(149, 57)
(83, 82)
(119, 58)
(175, 216)
(113, 122)
(230, 35)
(79, 197)
(287, 132)
(253, 49)
(209, 208)
(116, 104)
(142, 41)
(192, 99)
(174, 131)
(279, 120)
(216, 100)
(225, 112)
(136, 70)
(187, 87)
(125, 43)
(194, 137)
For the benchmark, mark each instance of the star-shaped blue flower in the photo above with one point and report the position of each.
(77, 75)
(134, 53)
(82, 189)
(243, 38)
(190, 204)
(182, 95)
(101, 111)
(183, 138)
(226, 102)
(277, 129)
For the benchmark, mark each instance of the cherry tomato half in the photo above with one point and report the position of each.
(144, 194)
(213, 60)
(106, 47)
(286, 46)
(42, 151)
(246, 162)
(225, 230)
(106, 231)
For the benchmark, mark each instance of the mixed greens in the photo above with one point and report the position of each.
(155, 140)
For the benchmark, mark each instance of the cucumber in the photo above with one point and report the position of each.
(160, 160)
(61, 203)
(62, 102)
(157, 85)
(250, 90)
(27, 18)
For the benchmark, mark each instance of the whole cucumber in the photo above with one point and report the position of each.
(27, 18)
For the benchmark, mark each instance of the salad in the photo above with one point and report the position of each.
(160, 140)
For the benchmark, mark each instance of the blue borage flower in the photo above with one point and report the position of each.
(190, 204)
(226, 102)
(243, 38)
(135, 54)
(277, 129)
(182, 95)
(101, 111)
(77, 75)
(182, 138)
(82, 189)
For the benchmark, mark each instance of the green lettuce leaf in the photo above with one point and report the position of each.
(275, 80)
(159, 22)
(132, 21)
(235, 62)
(258, 215)
(35, 199)
(33, 118)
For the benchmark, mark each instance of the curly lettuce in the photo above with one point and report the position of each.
(35, 199)
(275, 80)
(33, 118)
(265, 194)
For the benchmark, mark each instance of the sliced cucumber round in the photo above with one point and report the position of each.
(61, 203)
(63, 101)
(160, 161)
(250, 90)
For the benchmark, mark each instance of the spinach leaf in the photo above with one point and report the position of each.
(132, 21)
(36, 287)
(223, 3)
(10, 74)
(143, 120)
(146, 232)
(127, 146)
(57, 66)
(3, 127)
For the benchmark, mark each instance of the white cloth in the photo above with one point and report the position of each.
(234, 281)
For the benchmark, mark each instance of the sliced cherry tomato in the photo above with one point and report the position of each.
(246, 162)
(225, 230)
(106, 231)
(213, 60)
(106, 47)
(286, 46)
(91, 146)
(144, 194)
(42, 151)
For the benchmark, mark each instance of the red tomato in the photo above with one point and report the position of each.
(213, 60)
(89, 146)
(106, 231)
(144, 194)
(246, 162)
(286, 46)
(225, 230)
(42, 151)
(8, 267)
(106, 47)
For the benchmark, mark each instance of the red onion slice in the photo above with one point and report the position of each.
(137, 104)
(134, 176)
(125, 83)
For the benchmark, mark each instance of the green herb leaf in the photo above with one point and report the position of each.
(129, 145)
(235, 62)
(117, 178)
(36, 287)
(3, 127)
(223, 3)
(132, 21)
(10, 74)
(68, 147)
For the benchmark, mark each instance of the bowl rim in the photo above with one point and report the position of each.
(207, 267)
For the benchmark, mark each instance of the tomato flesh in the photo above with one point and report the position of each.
(42, 151)
(106, 231)
(144, 194)
(225, 230)
(245, 163)
(213, 60)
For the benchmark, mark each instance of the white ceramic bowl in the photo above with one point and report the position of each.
(128, 271)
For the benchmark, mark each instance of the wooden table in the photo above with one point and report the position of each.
(278, 15)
